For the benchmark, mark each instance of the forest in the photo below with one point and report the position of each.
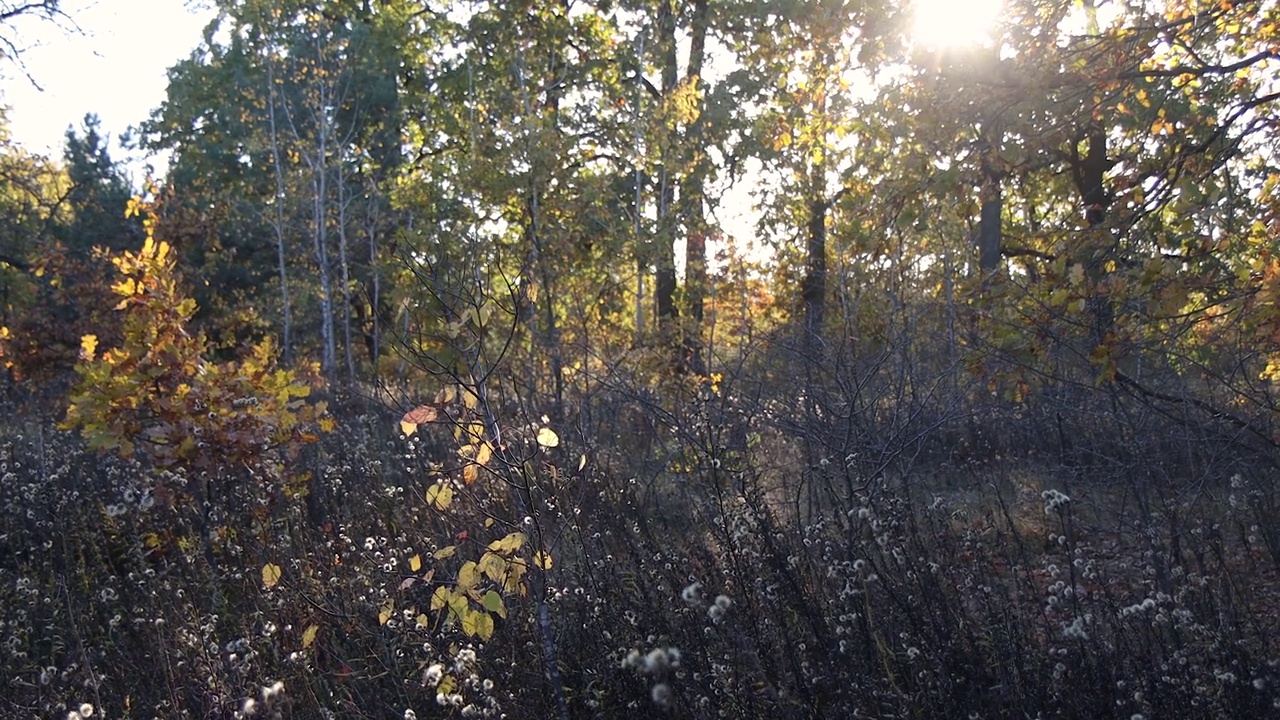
(654, 358)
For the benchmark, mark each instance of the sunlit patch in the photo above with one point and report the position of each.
(955, 22)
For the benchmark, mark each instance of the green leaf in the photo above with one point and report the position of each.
(493, 603)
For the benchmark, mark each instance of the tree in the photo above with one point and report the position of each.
(98, 196)
(298, 111)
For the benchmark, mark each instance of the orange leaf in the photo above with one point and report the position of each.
(421, 414)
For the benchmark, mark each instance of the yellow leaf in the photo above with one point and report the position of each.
(446, 395)
(477, 624)
(494, 567)
(440, 496)
(508, 544)
(88, 344)
(483, 454)
(470, 473)
(423, 620)
(384, 614)
(271, 575)
(440, 598)
(468, 576)
(309, 636)
(447, 685)
(415, 563)
(547, 438)
(445, 552)
(543, 560)
(408, 428)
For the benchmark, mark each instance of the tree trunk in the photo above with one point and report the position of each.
(278, 223)
(1089, 173)
(813, 287)
(989, 233)
(664, 290)
(692, 192)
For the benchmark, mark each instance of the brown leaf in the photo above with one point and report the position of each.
(421, 414)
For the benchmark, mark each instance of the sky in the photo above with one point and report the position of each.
(115, 66)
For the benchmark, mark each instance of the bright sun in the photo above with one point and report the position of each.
(955, 22)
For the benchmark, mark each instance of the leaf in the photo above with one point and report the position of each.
(582, 462)
(470, 473)
(494, 567)
(493, 603)
(417, 416)
(423, 620)
(543, 560)
(447, 685)
(384, 614)
(271, 575)
(468, 577)
(440, 496)
(421, 414)
(547, 438)
(88, 344)
(508, 544)
(444, 552)
(309, 636)
(415, 563)
(440, 598)
(447, 394)
(477, 624)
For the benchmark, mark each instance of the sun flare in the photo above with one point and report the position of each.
(955, 22)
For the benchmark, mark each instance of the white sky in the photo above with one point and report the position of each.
(116, 67)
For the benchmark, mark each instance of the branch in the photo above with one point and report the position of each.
(1202, 70)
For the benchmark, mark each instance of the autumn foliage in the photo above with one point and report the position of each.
(157, 395)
